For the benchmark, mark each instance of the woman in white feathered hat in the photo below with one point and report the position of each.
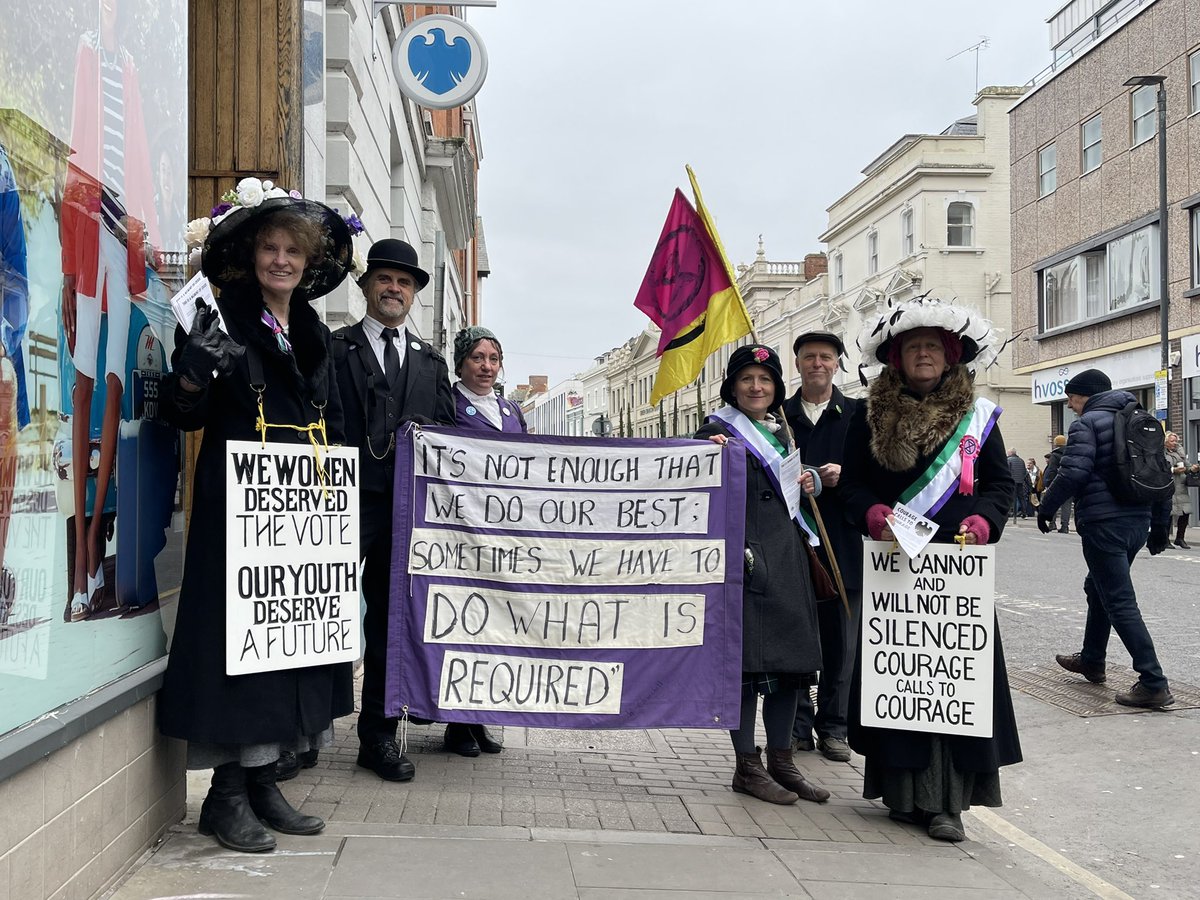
(925, 439)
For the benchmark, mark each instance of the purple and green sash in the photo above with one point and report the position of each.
(953, 469)
(768, 450)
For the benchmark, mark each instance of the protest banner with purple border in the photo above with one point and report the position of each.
(566, 582)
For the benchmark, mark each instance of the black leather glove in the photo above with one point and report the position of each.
(208, 348)
(1044, 523)
(1157, 542)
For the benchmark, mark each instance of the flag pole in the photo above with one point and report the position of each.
(812, 500)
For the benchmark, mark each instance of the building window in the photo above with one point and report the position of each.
(1194, 80)
(960, 225)
(1047, 170)
(1131, 265)
(872, 253)
(1060, 294)
(1095, 285)
(1090, 140)
(906, 233)
(1143, 102)
(1119, 276)
(1195, 217)
(839, 274)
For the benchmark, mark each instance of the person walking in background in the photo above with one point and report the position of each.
(1020, 477)
(780, 642)
(818, 415)
(1053, 460)
(1181, 500)
(386, 376)
(1035, 483)
(1112, 533)
(906, 432)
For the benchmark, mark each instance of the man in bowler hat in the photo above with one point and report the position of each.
(818, 415)
(387, 376)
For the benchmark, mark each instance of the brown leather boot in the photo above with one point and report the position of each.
(781, 767)
(751, 778)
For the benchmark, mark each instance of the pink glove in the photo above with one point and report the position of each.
(978, 526)
(877, 520)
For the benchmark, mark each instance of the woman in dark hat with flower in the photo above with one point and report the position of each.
(924, 436)
(780, 642)
(271, 254)
(478, 359)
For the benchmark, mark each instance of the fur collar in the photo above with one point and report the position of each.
(905, 427)
(306, 367)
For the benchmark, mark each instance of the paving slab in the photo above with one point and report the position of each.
(740, 871)
(447, 867)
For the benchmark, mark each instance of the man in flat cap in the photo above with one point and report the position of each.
(386, 376)
(818, 415)
(1112, 532)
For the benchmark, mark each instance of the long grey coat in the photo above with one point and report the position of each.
(779, 607)
(1181, 500)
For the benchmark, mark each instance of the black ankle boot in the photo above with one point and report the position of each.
(226, 813)
(272, 807)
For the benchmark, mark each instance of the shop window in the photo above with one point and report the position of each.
(93, 137)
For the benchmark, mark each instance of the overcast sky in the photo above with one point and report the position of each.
(591, 110)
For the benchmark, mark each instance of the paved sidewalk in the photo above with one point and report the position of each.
(590, 815)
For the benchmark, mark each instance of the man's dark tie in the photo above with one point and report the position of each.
(391, 359)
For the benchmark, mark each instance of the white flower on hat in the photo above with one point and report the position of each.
(358, 265)
(196, 231)
(250, 192)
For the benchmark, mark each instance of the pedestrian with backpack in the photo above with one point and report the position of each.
(1119, 500)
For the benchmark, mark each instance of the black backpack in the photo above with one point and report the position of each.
(1142, 475)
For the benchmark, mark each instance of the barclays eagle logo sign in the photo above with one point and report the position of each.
(439, 61)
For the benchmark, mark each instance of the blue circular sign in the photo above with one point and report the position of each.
(440, 62)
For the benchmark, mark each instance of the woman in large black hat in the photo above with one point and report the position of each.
(780, 642)
(270, 253)
(925, 436)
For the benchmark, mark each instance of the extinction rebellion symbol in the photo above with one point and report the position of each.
(440, 62)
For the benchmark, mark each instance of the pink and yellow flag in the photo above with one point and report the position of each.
(690, 292)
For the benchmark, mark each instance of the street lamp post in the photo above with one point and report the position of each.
(1164, 280)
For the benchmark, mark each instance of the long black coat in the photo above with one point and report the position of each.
(198, 701)
(779, 609)
(867, 481)
(819, 443)
(427, 394)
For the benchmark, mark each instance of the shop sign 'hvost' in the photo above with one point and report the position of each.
(1127, 369)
